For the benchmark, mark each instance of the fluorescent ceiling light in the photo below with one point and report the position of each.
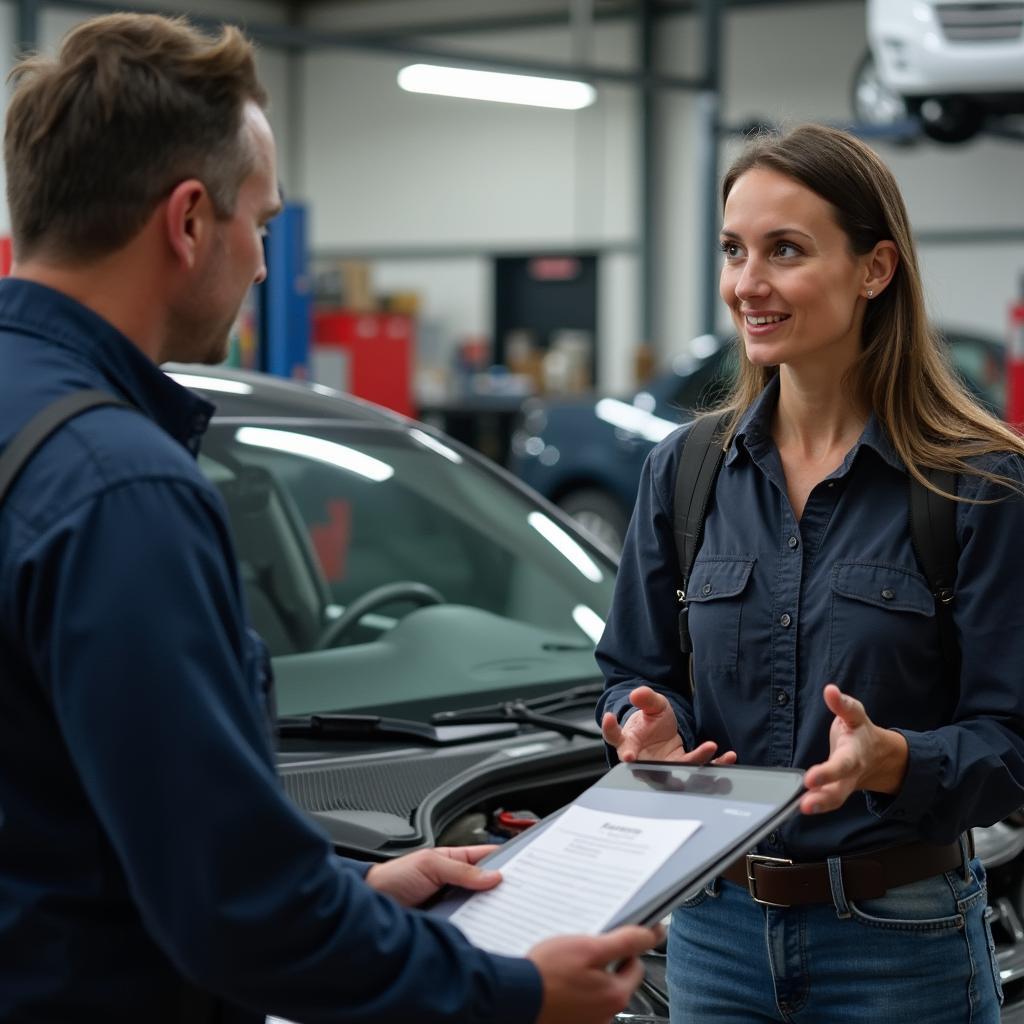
(317, 448)
(468, 84)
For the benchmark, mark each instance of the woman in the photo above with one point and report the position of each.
(815, 637)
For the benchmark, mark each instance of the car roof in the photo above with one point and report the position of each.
(239, 392)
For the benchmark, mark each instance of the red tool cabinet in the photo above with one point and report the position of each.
(369, 355)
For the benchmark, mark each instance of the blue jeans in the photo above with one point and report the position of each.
(922, 953)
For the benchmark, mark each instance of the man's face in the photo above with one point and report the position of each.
(234, 259)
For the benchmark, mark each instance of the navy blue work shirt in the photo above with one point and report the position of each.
(143, 833)
(781, 607)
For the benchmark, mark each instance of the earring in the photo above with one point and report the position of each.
(871, 293)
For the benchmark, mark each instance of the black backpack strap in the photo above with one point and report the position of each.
(24, 444)
(933, 533)
(699, 463)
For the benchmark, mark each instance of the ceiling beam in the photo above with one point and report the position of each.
(541, 19)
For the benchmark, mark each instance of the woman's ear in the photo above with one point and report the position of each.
(879, 265)
(188, 213)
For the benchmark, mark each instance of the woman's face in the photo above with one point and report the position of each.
(795, 289)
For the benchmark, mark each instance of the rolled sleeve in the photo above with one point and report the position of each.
(920, 789)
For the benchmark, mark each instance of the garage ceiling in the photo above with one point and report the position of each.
(405, 18)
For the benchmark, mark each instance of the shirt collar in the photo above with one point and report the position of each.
(875, 438)
(754, 430)
(56, 318)
(755, 426)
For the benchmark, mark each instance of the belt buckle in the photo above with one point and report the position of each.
(758, 858)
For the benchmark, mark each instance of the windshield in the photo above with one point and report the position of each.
(384, 568)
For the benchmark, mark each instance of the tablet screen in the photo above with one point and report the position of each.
(731, 804)
(627, 849)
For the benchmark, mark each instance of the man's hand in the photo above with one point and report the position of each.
(417, 876)
(578, 987)
(652, 734)
(861, 756)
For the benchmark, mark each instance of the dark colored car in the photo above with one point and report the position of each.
(397, 575)
(586, 454)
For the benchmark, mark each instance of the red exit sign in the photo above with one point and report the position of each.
(554, 268)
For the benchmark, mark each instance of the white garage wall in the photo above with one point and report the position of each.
(387, 169)
(979, 185)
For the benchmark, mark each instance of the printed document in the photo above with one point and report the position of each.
(573, 878)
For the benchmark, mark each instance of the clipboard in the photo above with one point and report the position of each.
(734, 807)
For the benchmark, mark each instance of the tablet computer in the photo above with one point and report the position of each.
(627, 850)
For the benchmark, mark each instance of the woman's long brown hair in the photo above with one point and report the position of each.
(903, 373)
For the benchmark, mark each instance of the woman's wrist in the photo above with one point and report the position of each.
(887, 766)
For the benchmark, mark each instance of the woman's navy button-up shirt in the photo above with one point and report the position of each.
(779, 607)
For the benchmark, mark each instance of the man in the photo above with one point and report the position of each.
(150, 867)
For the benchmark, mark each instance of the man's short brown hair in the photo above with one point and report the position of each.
(132, 105)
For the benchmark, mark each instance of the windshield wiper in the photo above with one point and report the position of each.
(584, 696)
(538, 711)
(374, 728)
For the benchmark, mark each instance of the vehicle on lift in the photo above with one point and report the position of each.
(432, 625)
(948, 64)
(586, 454)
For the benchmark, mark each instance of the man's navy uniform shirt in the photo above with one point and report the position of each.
(143, 832)
(781, 607)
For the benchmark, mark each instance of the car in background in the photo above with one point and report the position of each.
(948, 64)
(432, 624)
(586, 454)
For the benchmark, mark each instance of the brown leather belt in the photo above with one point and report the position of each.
(866, 876)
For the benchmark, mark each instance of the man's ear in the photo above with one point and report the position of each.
(188, 216)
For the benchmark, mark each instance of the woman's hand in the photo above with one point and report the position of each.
(652, 734)
(861, 756)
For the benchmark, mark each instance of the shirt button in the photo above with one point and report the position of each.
(706, 589)
(888, 594)
(792, 542)
(781, 697)
(784, 619)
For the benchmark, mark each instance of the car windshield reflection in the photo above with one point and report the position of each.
(388, 573)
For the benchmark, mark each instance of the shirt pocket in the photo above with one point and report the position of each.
(882, 623)
(715, 597)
